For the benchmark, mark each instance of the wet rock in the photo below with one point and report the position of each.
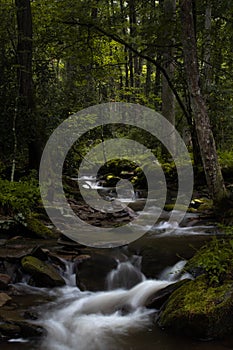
(68, 242)
(156, 255)
(39, 253)
(28, 330)
(157, 300)
(92, 271)
(198, 310)
(7, 330)
(22, 329)
(43, 274)
(12, 269)
(14, 252)
(137, 205)
(37, 228)
(4, 281)
(57, 260)
(4, 299)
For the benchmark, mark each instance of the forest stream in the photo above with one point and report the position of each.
(116, 175)
(113, 319)
(117, 318)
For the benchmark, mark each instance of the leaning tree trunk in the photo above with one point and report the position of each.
(206, 141)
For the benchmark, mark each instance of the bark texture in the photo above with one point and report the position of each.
(206, 141)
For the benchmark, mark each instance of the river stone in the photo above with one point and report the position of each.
(28, 330)
(4, 281)
(38, 229)
(39, 253)
(8, 330)
(92, 271)
(43, 274)
(22, 329)
(4, 299)
(198, 310)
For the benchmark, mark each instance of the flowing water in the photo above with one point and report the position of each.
(117, 319)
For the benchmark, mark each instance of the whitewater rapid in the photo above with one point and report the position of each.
(99, 321)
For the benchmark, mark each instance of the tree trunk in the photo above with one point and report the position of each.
(25, 109)
(148, 79)
(206, 140)
(168, 98)
(132, 28)
(207, 70)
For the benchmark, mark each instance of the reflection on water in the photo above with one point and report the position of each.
(149, 339)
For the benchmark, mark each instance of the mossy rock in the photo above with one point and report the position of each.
(170, 207)
(139, 181)
(200, 311)
(111, 180)
(43, 274)
(116, 166)
(37, 228)
(215, 260)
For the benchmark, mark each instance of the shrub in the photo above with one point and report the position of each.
(19, 197)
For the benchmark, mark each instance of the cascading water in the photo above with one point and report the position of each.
(97, 321)
(126, 275)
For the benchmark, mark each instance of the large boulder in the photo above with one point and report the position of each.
(199, 310)
(159, 252)
(43, 274)
(92, 271)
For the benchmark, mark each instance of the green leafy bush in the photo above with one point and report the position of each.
(19, 197)
(215, 258)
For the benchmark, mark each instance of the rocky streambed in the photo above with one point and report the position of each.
(36, 271)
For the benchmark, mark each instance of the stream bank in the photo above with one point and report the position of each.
(29, 289)
(45, 278)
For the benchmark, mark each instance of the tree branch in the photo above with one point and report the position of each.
(121, 41)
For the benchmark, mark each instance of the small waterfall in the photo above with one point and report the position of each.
(69, 274)
(96, 321)
(126, 275)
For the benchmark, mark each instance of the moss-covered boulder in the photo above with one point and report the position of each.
(199, 310)
(37, 228)
(43, 274)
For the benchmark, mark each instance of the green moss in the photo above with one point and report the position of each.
(195, 297)
(38, 228)
(170, 207)
(214, 259)
(200, 310)
(42, 273)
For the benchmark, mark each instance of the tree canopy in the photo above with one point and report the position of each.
(58, 57)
